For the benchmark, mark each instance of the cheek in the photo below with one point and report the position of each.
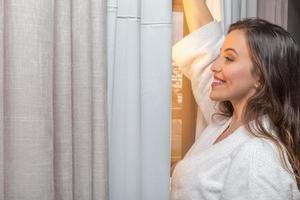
(240, 78)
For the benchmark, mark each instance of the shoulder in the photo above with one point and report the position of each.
(256, 169)
(258, 151)
(263, 160)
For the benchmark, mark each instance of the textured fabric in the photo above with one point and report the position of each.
(53, 138)
(139, 58)
(229, 11)
(234, 10)
(275, 11)
(239, 167)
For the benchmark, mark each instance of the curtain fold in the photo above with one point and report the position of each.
(1, 99)
(53, 100)
(234, 10)
(139, 72)
(275, 11)
(155, 43)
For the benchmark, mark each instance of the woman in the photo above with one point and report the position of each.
(250, 149)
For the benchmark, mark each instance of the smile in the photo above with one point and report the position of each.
(217, 82)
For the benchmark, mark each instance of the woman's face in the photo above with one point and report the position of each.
(233, 79)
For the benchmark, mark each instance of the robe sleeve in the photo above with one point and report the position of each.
(194, 54)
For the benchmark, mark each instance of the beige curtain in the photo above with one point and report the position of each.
(275, 11)
(53, 140)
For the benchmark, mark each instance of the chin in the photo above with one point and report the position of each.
(217, 98)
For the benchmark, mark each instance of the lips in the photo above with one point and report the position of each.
(217, 81)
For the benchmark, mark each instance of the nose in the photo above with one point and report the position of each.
(216, 66)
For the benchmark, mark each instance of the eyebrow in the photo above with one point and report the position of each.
(230, 49)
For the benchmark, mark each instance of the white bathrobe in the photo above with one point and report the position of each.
(240, 166)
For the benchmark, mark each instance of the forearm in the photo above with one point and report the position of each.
(197, 13)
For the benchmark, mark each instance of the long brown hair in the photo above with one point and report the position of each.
(275, 58)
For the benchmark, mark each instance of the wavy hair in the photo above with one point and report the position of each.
(275, 58)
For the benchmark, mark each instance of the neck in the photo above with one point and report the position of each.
(238, 113)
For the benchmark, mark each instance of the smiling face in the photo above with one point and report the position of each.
(232, 71)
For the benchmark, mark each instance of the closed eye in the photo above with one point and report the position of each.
(229, 59)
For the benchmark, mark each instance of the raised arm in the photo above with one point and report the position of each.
(197, 51)
(197, 13)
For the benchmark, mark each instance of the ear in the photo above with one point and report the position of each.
(258, 85)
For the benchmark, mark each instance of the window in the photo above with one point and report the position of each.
(183, 104)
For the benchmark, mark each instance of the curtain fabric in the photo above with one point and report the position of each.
(139, 97)
(53, 138)
(275, 11)
(234, 10)
(230, 11)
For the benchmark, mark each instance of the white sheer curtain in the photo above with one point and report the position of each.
(53, 138)
(139, 98)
